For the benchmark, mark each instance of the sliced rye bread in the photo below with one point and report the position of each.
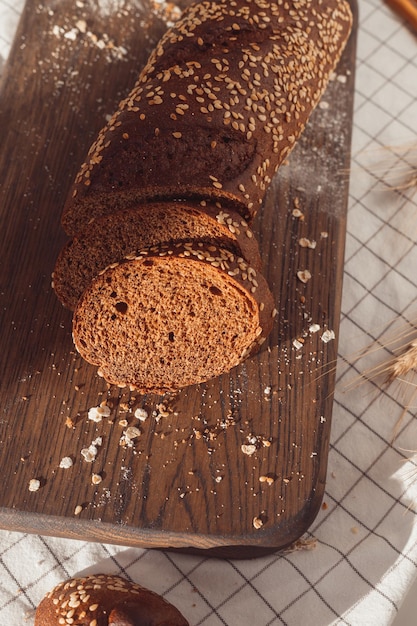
(216, 110)
(172, 316)
(111, 238)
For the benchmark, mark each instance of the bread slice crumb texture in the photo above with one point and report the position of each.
(159, 323)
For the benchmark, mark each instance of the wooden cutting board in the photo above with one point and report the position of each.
(186, 482)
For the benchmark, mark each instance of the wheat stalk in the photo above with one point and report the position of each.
(400, 176)
(409, 182)
(394, 166)
(403, 363)
(303, 543)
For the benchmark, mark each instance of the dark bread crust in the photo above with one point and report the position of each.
(173, 316)
(218, 107)
(105, 600)
(109, 239)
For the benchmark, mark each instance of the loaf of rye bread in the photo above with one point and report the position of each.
(172, 316)
(105, 600)
(110, 238)
(217, 108)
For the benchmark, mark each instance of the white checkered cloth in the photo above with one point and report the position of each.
(365, 559)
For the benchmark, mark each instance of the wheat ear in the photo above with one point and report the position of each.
(402, 363)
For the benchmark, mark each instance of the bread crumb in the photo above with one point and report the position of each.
(328, 335)
(66, 462)
(96, 413)
(78, 509)
(90, 453)
(297, 213)
(132, 432)
(163, 411)
(269, 480)
(257, 523)
(304, 275)
(96, 479)
(129, 435)
(248, 449)
(81, 25)
(307, 243)
(34, 484)
(141, 414)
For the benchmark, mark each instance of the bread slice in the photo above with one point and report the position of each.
(218, 107)
(172, 316)
(111, 238)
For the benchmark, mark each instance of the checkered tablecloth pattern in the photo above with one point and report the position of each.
(363, 559)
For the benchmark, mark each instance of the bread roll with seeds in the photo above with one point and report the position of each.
(172, 316)
(105, 600)
(111, 238)
(218, 107)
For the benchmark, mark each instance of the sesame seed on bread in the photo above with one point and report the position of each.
(110, 238)
(217, 108)
(173, 316)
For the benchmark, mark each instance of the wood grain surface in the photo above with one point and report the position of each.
(185, 483)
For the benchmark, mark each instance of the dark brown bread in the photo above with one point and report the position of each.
(216, 110)
(105, 600)
(172, 316)
(218, 107)
(111, 238)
